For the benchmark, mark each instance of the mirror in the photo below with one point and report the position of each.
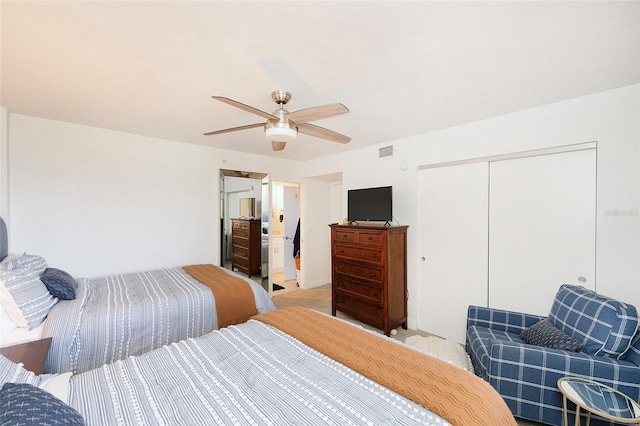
(247, 208)
(245, 195)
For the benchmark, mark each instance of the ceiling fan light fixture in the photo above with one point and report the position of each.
(285, 134)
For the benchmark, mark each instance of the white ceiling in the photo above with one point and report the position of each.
(402, 68)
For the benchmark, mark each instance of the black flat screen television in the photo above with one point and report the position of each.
(370, 204)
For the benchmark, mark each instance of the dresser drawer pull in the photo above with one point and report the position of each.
(344, 235)
(340, 284)
(373, 256)
(341, 267)
(374, 293)
(370, 238)
(341, 251)
(373, 274)
(374, 312)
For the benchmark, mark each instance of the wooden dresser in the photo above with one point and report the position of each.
(246, 246)
(369, 274)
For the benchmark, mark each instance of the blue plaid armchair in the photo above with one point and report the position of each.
(526, 375)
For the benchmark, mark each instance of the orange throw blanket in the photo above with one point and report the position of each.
(454, 394)
(234, 298)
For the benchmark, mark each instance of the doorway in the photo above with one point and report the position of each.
(286, 241)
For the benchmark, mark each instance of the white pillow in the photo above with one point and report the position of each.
(57, 385)
(24, 297)
(6, 324)
(7, 262)
(15, 373)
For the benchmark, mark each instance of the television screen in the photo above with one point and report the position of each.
(369, 204)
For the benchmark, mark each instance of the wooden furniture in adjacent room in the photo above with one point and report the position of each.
(246, 246)
(31, 354)
(369, 274)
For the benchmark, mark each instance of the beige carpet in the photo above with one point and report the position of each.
(319, 298)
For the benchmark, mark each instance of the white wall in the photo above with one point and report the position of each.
(610, 118)
(4, 163)
(95, 202)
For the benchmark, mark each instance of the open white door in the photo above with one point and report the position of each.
(291, 217)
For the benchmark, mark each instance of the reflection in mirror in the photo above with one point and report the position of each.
(248, 208)
(245, 195)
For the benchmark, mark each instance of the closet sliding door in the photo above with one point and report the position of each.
(542, 213)
(503, 232)
(453, 209)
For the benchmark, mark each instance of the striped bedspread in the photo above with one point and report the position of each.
(122, 315)
(246, 374)
(459, 396)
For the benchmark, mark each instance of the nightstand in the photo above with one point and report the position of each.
(597, 398)
(31, 354)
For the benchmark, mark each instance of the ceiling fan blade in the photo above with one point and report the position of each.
(234, 129)
(244, 107)
(317, 113)
(321, 132)
(277, 146)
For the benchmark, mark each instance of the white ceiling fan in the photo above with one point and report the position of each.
(283, 126)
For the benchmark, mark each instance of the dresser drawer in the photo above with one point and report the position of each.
(371, 255)
(348, 236)
(372, 291)
(241, 233)
(240, 261)
(238, 225)
(370, 237)
(356, 306)
(240, 250)
(370, 273)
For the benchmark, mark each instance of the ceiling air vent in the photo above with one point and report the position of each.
(385, 151)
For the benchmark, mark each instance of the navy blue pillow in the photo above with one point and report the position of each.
(25, 404)
(59, 283)
(544, 333)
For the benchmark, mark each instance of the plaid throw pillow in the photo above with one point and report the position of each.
(544, 333)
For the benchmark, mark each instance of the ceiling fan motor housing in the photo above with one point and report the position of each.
(281, 97)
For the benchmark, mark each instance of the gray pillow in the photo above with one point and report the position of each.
(544, 333)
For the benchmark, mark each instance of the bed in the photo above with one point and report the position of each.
(288, 366)
(113, 317)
